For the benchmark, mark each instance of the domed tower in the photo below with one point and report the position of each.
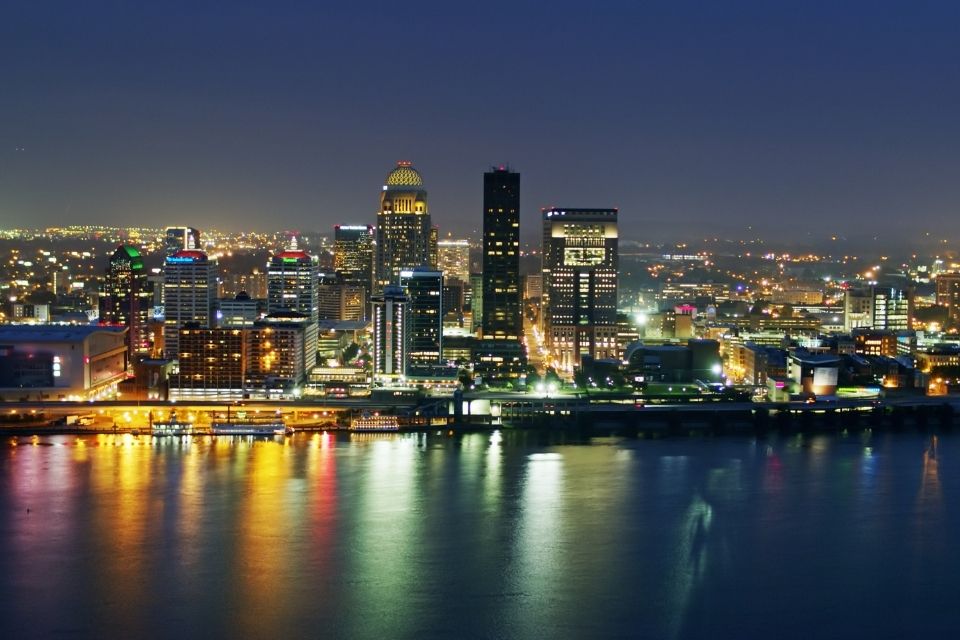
(403, 225)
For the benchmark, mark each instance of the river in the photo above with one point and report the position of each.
(503, 535)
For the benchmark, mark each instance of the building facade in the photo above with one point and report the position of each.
(189, 295)
(579, 304)
(292, 283)
(892, 308)
(948, 295)
(353, 254)
(424, 290)
(453, 258)
(501, 255)
(390, 332)
(127, 298)
(403, 226)
(54, 362)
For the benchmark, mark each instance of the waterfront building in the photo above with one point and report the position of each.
(61, 362)
(232, 363)
(424, 290)
(280, 353)
(579, 304)
(212, 362)
(403, 226)
(453, 258)
(181, 239)
(190, 286)
(292, 283)
(310, 330)
(697, 360)
(815, 373)
(390, 332)
(127, 298)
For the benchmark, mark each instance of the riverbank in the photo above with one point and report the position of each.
(633, 422)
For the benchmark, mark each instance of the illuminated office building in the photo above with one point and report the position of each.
(292, 283)
(579, 304)
(403, 226)
(453, 258)
(892, 308)
(189, 295)
(353, 254)
(390, 332)
(339, 300)
(424, 289)
(127, 298)
(501, 255)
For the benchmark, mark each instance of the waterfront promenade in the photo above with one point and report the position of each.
(492, 410)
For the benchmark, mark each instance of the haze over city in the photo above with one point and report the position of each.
(624, 319)
(740, 119)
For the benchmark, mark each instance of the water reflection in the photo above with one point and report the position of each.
(494, 535)
(930, 541)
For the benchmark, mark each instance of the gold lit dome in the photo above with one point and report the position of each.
(404, 175)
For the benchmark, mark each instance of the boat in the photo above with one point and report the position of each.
(247, 428)
(171, 427)
(375, 423)
(247, 425)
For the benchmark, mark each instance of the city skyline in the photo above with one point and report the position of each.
(733, 120)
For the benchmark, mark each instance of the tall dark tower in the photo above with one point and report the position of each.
(501, 255)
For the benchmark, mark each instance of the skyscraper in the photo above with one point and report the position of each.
(127, 297)
(390, 332)
(190, 291)
(579, 304)
(353, 254)
(292, 287)
(501, 255)
(181, 239)
(403, 225)
(424, 289)
(292, 283)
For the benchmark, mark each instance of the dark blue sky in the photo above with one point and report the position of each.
(695, 118)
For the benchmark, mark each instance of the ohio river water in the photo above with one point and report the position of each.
(480, 536)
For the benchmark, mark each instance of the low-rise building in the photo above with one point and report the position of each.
(61, 362)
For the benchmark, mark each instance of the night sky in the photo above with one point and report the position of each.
(695, 118)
